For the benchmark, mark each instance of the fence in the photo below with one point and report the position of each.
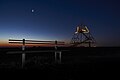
(24, 42)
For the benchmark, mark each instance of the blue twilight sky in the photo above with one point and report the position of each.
(57, 19)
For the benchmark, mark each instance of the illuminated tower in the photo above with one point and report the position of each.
(82, 36)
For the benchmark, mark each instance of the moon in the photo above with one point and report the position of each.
(32, 10)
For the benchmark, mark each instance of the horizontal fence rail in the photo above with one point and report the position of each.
(19, 52)
(35, 42)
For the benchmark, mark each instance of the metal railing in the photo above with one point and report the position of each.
(24, 42)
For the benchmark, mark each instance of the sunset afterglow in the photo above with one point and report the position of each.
(58, 19)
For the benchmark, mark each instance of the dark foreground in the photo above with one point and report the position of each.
(75, 61)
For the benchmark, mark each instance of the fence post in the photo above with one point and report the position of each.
(60, 56)
(23, 53)
(57, 54)
(55, 51)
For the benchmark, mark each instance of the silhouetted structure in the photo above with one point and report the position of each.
(82, 36)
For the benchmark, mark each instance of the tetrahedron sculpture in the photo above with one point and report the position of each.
(82, 36)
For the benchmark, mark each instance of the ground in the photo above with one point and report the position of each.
(74, 62)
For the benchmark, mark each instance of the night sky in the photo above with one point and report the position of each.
(57, 19)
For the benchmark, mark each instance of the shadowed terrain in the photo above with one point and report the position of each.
(74, 61)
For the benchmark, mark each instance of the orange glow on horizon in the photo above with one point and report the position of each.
(28, 45)
(4, 43)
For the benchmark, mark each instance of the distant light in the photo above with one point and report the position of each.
(76, 32)
(33, 10)
(83, 30)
